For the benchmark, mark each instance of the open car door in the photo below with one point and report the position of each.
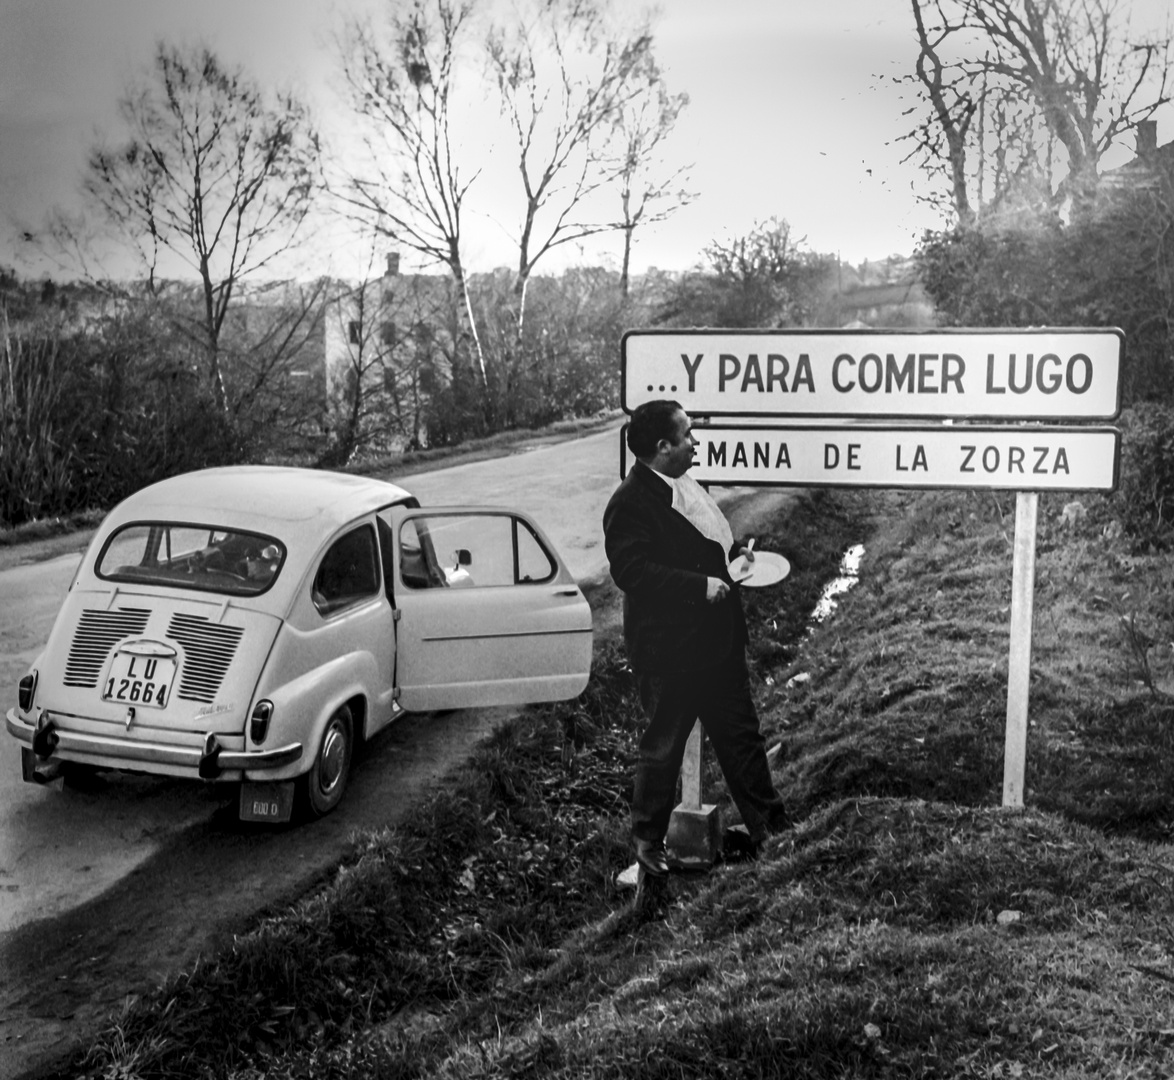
(486, 611)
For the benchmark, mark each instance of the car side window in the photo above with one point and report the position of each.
(419, 568)
(534, 561)
(461, 551)
(349, 571)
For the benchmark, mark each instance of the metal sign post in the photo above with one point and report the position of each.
(1019, 662)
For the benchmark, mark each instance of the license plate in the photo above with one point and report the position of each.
(272, 802)
(140, 680)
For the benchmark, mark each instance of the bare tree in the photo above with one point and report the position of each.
(273, 336)
(352, 388)
(650, 188)
(1043, 74)
(953, 109)
(410, 186)
(563, 75)
(212, 173)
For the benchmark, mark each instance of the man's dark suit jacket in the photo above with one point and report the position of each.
(661, 562)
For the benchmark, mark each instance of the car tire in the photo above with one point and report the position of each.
(321, 789)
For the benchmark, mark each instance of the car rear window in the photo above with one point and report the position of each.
(207, 558)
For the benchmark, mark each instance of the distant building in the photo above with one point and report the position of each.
(385, 345)
(896, 304)
(1150, 170)
(896, 300)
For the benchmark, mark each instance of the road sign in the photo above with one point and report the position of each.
(1002, 458)
(1046, 374)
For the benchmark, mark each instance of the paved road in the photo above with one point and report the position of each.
(564, 486)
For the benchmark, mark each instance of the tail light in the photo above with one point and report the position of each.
(26, 691)
(259, 722)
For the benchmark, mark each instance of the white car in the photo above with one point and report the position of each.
(250, 625)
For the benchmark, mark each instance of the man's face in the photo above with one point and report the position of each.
(677, 453)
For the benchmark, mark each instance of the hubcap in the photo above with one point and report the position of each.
(333, 758)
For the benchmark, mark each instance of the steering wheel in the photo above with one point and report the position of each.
(217, 562)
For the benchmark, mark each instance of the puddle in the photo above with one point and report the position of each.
(848, 576)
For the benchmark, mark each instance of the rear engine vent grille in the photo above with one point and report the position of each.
(97, 633)
(208, 651)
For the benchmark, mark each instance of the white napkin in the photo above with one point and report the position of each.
(695, 504)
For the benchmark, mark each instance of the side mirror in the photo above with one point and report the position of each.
(464, 557)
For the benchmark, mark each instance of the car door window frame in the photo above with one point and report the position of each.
(518, 527)
(328, 606)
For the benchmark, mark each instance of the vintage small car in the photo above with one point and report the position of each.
(250, 625)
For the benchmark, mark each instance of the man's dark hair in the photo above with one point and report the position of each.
(651, 422)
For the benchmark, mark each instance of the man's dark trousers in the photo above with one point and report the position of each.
(720, 698)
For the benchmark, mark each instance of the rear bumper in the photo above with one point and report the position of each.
(208, 761)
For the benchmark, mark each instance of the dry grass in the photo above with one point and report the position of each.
(911, 690)
(908, 927)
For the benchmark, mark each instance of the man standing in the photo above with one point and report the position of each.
(668, 546)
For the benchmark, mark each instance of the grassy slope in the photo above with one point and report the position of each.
(907, 927)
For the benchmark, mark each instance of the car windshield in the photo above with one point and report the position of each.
(188, 556)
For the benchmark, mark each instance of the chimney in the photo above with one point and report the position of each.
(1147, 137)
(392, 264)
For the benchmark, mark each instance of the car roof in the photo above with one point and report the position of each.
(302, 508)
(260, 498)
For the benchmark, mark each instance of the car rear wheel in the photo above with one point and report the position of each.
(321, 789)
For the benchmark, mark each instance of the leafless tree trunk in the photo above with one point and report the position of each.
(650, 188)
(953, 116)
(410, 186)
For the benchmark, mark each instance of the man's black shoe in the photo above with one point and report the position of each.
(738, 844)
(651, 856)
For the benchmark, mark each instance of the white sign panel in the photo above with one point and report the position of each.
(1027, 458)
(1048, 374)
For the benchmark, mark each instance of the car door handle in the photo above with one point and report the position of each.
(566, 592)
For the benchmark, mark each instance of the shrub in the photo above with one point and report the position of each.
(90, 413)
(1107, 269)
(1145, 497)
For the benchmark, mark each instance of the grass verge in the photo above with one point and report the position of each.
(907, 927)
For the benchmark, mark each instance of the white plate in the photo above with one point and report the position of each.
(766, 569)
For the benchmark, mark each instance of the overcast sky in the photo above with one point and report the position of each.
(794, 110)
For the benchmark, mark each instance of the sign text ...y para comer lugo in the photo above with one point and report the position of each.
(942, 374)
